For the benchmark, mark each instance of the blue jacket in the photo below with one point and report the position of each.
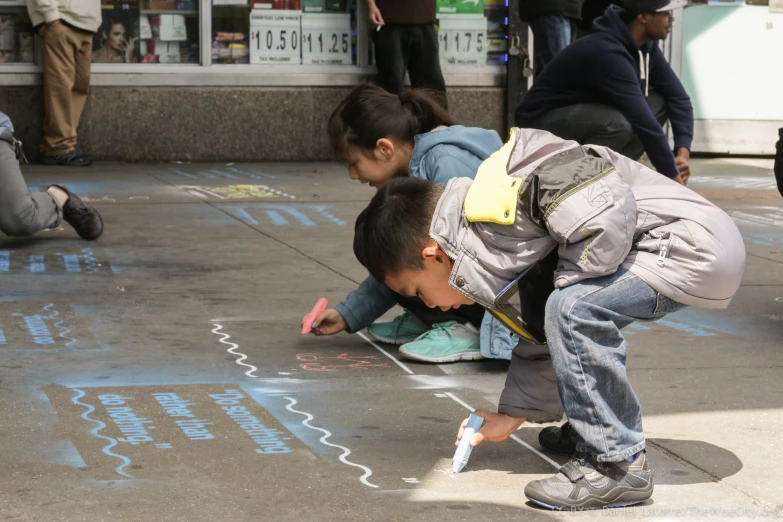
(438, 155)
(609, 67)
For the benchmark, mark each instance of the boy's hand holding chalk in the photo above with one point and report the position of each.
(323, 322)
(497, 427)
(471, 425)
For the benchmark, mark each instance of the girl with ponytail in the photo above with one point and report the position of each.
(378, 136)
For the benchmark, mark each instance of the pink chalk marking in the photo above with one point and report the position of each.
(319, 307)
(315, 362)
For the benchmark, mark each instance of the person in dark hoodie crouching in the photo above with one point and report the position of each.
(614, 88)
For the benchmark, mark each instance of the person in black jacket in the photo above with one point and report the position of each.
(614, 88)
(554, 27)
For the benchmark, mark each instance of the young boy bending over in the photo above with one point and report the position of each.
(631, 246)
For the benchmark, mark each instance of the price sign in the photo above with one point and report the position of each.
(463, 42)
(326, 39)
(462, 39)
(275, 36)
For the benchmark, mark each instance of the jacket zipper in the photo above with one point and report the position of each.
(663, 248)
(577, 188)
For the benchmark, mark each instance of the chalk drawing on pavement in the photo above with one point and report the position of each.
(316, 362)
(100, 425)
(770, 216)
(281, 215)
(326, 434)
(742, 182)
(233, 347)
(161, 428)
(26, 325)
(54, 261)
(235, 192)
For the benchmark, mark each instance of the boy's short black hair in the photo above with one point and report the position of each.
(397, 225)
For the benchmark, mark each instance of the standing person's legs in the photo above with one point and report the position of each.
(391, 56)
(59, 82)
(424, 62)
(23, 214)
(551, 34)
(583, 324)
(81, 86)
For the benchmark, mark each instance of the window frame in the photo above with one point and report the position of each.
(207, 74)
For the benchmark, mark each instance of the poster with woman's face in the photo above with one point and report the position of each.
(117, 40)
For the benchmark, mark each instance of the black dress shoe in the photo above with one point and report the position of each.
(72, 158)
(84, 219)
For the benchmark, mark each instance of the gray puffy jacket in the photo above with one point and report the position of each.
(603, 211)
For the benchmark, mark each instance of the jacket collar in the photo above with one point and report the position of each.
(450, 230)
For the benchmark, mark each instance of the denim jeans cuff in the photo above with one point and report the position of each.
(617, 456)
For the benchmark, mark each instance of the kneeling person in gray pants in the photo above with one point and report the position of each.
(23, 213)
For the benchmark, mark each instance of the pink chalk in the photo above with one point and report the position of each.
(319, 307)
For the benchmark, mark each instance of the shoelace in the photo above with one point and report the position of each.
(406, 315)
(447, 329)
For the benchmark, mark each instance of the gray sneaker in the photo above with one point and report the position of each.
(584, 483)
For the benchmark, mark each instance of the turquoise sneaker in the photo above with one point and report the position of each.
(403, 329)
(446, 342)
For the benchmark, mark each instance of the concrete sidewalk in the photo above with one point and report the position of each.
(159, 373)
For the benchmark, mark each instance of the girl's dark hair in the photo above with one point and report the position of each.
(370, 113)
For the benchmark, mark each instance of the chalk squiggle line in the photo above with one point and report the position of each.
(327, 434)
(89, 260)
(100, 425)
(65, 329)
(234, 346)
(306, 422)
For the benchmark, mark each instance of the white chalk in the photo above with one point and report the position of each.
(462, 454)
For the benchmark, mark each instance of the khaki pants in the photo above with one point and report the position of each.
(67, 54)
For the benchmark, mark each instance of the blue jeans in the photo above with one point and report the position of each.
(583, 323)
(497, 341)
(551, 34)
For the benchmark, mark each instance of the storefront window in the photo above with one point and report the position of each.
(17, 38)
(148, 31)
(260, 32)
(263, 32)
(472, 33)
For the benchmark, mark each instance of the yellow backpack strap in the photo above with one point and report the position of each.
(493, 196)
